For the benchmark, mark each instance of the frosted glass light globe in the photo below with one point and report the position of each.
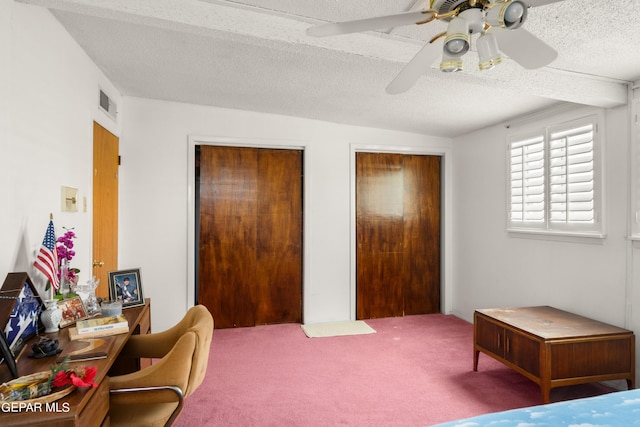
(513, 13)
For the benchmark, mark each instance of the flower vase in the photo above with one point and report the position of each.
(51, 316)
(65, 285)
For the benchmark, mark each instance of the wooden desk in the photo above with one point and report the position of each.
(81, 407)
(554, 348)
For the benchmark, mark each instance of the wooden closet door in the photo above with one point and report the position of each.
(421, 222)
(278, 291)
(250, 235)
(228, 227)
(397, 235)
(379, 235)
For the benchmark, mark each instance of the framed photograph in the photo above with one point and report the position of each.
(73, 309)
(126, 285)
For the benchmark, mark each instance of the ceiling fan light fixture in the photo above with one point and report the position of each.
(487, 46)
(457, 40)
(451, 64)
(510, 15)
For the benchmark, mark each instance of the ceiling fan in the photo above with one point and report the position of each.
(498, 23)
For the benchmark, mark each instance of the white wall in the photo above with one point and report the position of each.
(633, 269)
(154, 195)
(48, 100)
(494, 269)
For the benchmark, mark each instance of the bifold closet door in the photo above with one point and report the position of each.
(397, 235)
(250, 235)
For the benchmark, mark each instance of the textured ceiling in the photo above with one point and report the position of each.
(255, 55)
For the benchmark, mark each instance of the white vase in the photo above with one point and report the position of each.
(51, 316)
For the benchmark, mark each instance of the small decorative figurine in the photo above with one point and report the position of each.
(45, 347)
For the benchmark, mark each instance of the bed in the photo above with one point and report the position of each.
(618, 409)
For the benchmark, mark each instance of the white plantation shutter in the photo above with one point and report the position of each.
(553, 179)
(527, 180)
(571, 175)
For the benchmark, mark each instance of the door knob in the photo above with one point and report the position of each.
(98, 263)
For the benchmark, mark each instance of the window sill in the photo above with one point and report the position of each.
(560, 236)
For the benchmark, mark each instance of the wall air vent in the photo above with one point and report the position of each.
(108, 106)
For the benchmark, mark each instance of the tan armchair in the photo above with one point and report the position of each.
(154, 395)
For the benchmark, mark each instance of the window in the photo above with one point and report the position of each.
(554, 176)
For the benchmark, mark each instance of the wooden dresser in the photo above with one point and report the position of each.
(554, 348)
(83, 407)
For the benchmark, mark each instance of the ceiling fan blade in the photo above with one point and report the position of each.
(379, 23)
(524, 48)
(536, 3)
(415, 68)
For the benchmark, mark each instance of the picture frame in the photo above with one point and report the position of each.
(73, 309)
(6, 355)
(19, 301)
(126, 285)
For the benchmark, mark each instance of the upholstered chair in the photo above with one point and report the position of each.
(154, 395)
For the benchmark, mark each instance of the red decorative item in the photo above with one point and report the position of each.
(82, 376)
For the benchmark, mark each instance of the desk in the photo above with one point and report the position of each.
(82, 407)
(554, 348)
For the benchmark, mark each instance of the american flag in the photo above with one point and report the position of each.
(47, 258)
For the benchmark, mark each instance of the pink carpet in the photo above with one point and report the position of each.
(415, 371)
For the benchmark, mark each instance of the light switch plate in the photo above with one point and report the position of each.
(69, 199)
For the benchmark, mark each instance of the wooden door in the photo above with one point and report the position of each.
(421, 243)
(522, 351)
(489, 336)
(249, 268)
(379, 235)
(105, 206)
(278, 287)
(397, 235)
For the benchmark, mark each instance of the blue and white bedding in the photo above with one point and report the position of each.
(619, 409)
